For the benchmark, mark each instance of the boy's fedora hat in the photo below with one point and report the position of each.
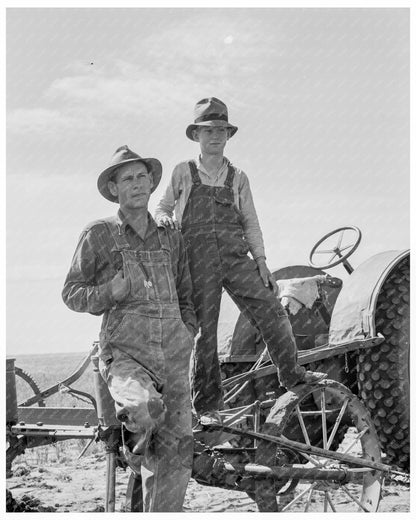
(124, 155)
(210, 112)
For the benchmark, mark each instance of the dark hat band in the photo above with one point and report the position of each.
(212, 117)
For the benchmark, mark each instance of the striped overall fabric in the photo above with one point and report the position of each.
(144, 357)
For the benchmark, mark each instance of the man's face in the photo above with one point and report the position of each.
(212, 139)
(132, 185)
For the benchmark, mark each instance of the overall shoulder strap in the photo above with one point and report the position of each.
(163, 238)
(118, 237)
(230, 177)
(194, 173)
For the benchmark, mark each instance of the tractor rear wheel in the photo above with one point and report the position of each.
(383, 371)
(292, 417)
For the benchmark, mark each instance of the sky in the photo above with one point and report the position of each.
(320, 97)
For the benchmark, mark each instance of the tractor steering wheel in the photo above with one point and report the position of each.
(339, 253)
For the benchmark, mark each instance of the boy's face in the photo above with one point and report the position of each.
(212, 139)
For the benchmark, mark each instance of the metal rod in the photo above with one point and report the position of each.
(314, 461)
(309, 499)
(228, 392)
(341, 236)
(355, 499)
(232, 411)
(298, 497)
(330, 502)
(58, 435)
(67, 381)
(243, 411)
(304, 448)
(311, 413)
(302, 425)
(348, 267)
(337, 423)
(354, 442)
(296, 471)
(256, 420)
(323, 415)
(306, 437)
(110, 494)
(85, 448)
(236, 393)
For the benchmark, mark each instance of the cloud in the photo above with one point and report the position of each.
(44, 121)
(155, 75)
(82, 103)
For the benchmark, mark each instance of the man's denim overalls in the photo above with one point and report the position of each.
(145, 352)
(217, 253)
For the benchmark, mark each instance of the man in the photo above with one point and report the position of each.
(214, 207)
(136, 274)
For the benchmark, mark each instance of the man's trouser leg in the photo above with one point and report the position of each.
(138, 404)
(167, 465)
(205, 267)
(167, 461)
(264, 310)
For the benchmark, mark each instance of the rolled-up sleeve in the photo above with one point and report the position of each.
(81, 292)
(166, 205)
(252, 230)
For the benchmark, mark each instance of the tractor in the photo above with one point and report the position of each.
(372, 304)
(340, 437)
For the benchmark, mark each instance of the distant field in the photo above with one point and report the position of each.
(49, 369)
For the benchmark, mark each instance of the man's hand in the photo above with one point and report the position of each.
(266, 275)
(120, 287)
(169, 222)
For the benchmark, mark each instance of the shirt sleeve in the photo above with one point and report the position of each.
(81, 293)
(184, 287)
(166, 205)
(252, 230)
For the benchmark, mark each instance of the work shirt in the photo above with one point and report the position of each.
(177, 192)
(87, 286)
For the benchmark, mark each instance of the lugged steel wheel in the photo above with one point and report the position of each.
(383, 371)
(292, 414)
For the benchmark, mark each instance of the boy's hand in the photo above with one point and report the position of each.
(169, 222)
(266, 275)
(120, 287)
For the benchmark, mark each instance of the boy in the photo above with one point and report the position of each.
(214, 208)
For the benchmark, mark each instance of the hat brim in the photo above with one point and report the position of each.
(215, 122)
(154, 166)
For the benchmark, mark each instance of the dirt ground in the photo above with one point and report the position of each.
(78, 485)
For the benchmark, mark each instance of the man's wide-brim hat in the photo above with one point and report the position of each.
(124, 155)
(210, 112)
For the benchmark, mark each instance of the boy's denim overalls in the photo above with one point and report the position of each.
(217, 253)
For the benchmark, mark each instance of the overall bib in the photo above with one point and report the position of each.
(212, 227)
(144, 357)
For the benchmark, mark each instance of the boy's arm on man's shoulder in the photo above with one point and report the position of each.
(252, 230)
(166, 205)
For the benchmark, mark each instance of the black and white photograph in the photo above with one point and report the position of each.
(207, 249)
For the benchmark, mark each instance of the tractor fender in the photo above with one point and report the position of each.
(353, 316)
